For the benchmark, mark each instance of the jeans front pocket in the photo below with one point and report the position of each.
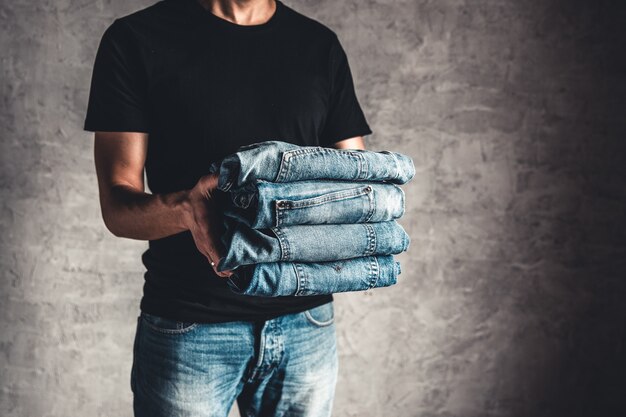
(352, 205)
(321, 316)
(166, 325)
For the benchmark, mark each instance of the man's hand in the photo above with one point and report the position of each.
(204, 222)
(128, 211)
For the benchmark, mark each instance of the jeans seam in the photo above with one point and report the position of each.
(285, 254)
(372, 200)
(278, 213)
(259, 362)
(330, 197)
(375, 272)
(317, 322)
(301, 280)
(176, 331)
(283, 167)
(363, 166)
(371, 239)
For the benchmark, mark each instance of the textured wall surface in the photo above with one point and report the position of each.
(511, 298)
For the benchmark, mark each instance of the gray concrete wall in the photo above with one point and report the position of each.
(510, 302)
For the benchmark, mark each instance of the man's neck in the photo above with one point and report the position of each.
(241, 12)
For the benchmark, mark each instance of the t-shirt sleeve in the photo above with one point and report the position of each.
(117, 96)
(345, 117)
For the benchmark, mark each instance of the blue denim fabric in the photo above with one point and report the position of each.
(279, 161)
(263, 204)
(285, 366)
(276, 279)
(309, 243)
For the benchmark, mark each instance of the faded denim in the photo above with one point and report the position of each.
(285, 366)
(276, 279)
(263, 204)
(309, 243)
(279, 161)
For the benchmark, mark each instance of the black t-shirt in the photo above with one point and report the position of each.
(202, 86)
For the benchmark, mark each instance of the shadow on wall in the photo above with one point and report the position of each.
(566, 354)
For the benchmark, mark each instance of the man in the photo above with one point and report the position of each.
(175, 86)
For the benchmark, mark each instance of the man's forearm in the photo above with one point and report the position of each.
(138, 215)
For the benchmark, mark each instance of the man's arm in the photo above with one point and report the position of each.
(128, 211)
(351, 143)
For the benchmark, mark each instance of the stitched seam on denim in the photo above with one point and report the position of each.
(226, 186)
(286, 157)
(372, 201)
(285, 253)
(242, 199)
(171, 331)
(354, 154)
(295, 269)
(317, 322)
(325, 198)
(363, 166)
(375, 272)
(256, 369)
(278, 214)
(371, 239)
(301, 279)
(283, 168)
(309, 149)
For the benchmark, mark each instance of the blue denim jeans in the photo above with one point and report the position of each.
(309, 243)
(279, 161)
(286, 366)
(263, 204)
(276, 279)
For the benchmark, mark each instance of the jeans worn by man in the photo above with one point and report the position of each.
(199, 369)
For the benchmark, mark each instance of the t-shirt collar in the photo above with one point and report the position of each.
(195, 7)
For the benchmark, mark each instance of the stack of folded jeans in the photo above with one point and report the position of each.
(308, 220)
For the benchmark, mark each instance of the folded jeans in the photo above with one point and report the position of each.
(309, 243)
(279, 161)
(275, 279)
(263, 204)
